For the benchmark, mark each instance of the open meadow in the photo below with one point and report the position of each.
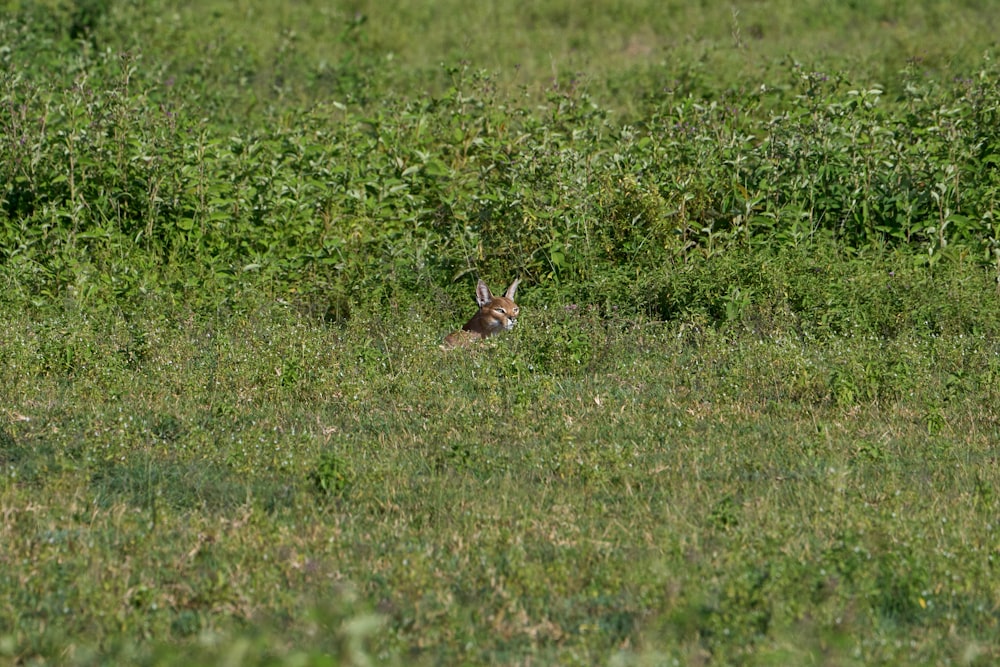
(750, 414)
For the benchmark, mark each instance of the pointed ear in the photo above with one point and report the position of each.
(483, 295)
(512, 289)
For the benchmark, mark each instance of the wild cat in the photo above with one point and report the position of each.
(496, 314)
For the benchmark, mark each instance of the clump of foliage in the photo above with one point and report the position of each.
(332, 475)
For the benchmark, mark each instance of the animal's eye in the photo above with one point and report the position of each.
(501, 311)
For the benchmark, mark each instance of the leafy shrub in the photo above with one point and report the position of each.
(120, 189)
(332, 475)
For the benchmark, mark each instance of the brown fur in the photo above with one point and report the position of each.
(496, 314)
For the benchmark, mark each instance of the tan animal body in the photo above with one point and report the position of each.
(496, 314)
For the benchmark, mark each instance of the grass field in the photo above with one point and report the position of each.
(749, 414)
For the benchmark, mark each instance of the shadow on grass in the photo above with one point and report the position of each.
(26, 461)
(147, 481)
(7, 445)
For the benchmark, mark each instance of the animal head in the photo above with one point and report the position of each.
(496, 314)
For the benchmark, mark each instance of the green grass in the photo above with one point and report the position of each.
(583, 490)
(748, 415)
(620, 51)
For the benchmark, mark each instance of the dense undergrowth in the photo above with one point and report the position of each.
(748, 416)
(117, 183)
